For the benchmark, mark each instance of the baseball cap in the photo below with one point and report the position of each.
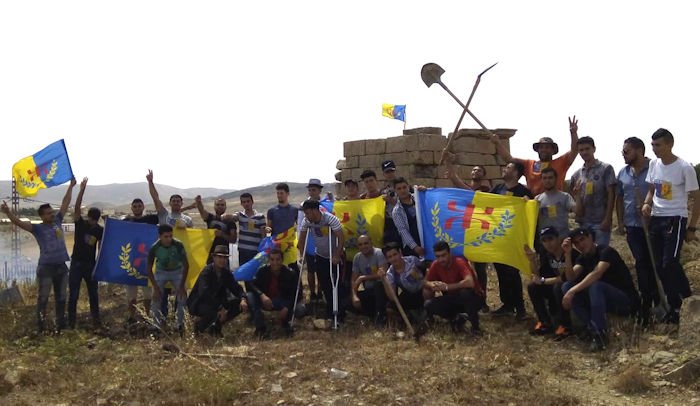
(388, 165)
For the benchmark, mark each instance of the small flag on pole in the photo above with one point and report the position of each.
(395, 111)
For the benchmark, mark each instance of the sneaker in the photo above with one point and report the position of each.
(503, 311)
(562, 333)
(540, 329)
(520, 315)
(485, 309)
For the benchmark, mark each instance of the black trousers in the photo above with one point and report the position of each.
(510, 286)
(481, 275)
(667, 235)
(79, 272)
(208, 314)
(449, 306)
(373, 301)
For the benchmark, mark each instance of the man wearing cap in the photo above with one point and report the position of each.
(216, 297)
(391, 233)
(631, 190)
(594, 187)
(546, 148)
(600, 283)
(318, 224)
(674, 181)
(547, 279)
(274, 289)
(555, 205)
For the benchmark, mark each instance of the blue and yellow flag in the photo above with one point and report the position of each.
(483, 227)
(358, 217)
(287, 243)
(197, 244)
(124, 252)
(395, 111)
(47, 168)
(123, 255)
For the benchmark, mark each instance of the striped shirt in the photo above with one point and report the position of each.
(249, 235)
(319, 232)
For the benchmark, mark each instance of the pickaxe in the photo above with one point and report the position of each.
(431, 73)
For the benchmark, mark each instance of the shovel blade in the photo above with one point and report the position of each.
(430, 73)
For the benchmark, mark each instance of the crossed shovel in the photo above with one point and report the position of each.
(431, 73)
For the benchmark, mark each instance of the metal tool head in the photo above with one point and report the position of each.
(487, 69)
(430, 73)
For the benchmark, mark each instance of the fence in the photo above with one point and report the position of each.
(22, 273)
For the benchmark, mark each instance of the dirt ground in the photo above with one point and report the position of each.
(506, 366)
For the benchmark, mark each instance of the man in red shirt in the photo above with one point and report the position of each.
(546, 148)
(461, 295)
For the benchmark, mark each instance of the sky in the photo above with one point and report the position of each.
(236, 94)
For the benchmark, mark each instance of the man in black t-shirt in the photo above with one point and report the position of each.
(137, 216)
(510, 286)
(602, 284)
(88, 234)
(547, 280)
(225, 226)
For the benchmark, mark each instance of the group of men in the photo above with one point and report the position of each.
(573, 269)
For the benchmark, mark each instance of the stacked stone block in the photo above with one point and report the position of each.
(417, 156)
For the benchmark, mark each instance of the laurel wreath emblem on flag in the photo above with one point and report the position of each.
(52, 171)
(126, 263)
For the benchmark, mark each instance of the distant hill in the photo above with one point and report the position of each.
(118, 196)
(112, 195)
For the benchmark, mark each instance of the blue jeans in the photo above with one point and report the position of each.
(278, 303)
(162, 278)
(592, 305)
(667, 235)
(601, 238)
(646, 280)
(55, 275)
(80, 271)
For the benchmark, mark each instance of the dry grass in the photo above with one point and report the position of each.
(505, 366)
(633, 381)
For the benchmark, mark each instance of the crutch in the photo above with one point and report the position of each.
(301, 270)
(334, 281)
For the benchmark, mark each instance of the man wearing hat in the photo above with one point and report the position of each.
(546, 148)
(216, 297)
(391, 233)
(547, 280)
(599, 283)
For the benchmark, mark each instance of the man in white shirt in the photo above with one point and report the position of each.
(672, 180)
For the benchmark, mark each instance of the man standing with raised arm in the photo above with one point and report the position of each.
(546, 148)
(88, 235)
(53, 254)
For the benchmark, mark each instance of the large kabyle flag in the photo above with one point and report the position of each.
(483, 227)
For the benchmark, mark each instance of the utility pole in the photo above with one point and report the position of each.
(16, 246)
